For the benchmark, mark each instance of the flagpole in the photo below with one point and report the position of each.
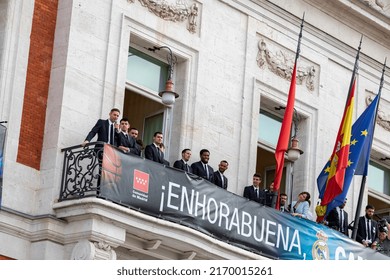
(331, 186)
(364, 179)
(355, 67)
(284, 139)
(299, 40)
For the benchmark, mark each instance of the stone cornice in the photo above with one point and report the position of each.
(365, 16)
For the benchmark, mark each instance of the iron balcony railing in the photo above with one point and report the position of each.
(81, 171)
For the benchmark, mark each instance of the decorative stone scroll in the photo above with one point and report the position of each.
(381, 6)
(383, 119)
(176, 13)
(282, 64)
(86, 250)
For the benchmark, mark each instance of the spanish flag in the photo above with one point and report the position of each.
(339, 159)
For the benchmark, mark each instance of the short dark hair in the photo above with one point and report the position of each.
(185, 150)
(140, 142)
(283, 194)
(124, 120)
(115, 110)
(369, 206)
(156, 133)
(203, 151)
(224, 161)
(133, 128)
(257, 175)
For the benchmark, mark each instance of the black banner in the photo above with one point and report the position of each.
(186, 199)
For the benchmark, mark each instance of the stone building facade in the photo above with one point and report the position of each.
(65, 63)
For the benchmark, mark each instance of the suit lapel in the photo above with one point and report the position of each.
(156, 151)
(159, 154)
(107, 129)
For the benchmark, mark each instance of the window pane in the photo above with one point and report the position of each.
(269, 128)
(152, 125)
(378, 178)
(146, 71)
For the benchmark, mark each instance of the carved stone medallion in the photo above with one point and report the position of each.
(281, 64)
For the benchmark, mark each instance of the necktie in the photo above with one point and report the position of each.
(341, 220)
(186, 166)
(257, 193)
(159, 152)
(368, 229)
(222, 181)
(207, 171)
(111, 136)
(127, 136)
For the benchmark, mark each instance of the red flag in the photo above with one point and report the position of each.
(284, 136)
(285, 130)
(339, 159)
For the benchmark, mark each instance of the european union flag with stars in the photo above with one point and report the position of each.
(359, 153)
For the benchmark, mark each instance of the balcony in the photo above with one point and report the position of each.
(119, 206)
(98, 224)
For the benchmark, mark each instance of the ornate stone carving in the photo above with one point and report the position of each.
(381, 6)
(86, 250)
(192, 18)
(375, 4)
(176, 13)
(281, 64)
(383, 119)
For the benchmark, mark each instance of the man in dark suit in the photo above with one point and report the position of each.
(332, 219)
(283, 206)
(201, 168)
(105, 129)
(367, 230)
(254, 192)
(183, 162)
(134, 133)
(219, 179)
(337, 219)
(271, 196)
(153, 151)
(124, 141)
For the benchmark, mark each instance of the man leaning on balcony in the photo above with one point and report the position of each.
(105, 129)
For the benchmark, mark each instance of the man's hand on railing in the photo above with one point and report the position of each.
(124, 149)
(84, 143)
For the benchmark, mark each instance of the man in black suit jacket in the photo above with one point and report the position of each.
(367, 230)
(124, 141)
(153, 151)
(332, 219)
(105, 129)
(219, 179)
(254, 192)
(134, 133)
(337, 219)
(201, 168)
(183, 162)
(283, 205)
